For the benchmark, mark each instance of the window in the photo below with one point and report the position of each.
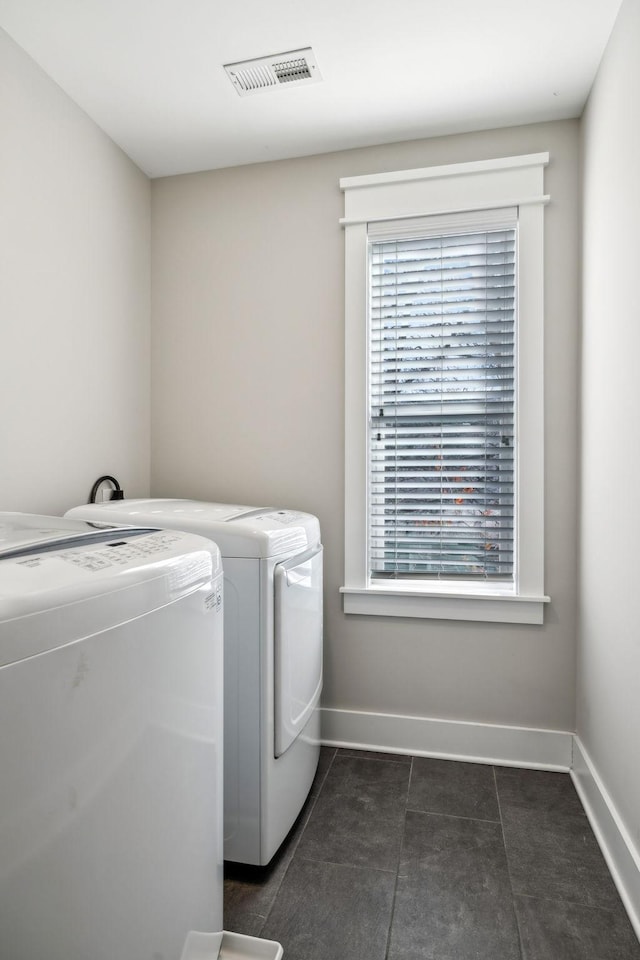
(441, 395)
(444, 469)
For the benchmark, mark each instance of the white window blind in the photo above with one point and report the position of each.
(442, 394)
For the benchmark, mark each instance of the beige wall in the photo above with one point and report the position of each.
(74, 299)
(247, 376)
(609, 650)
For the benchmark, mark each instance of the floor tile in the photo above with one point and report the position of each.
(456, 789)
(453, 898)
(537, 789)
(379, 786)
(344, 829)
(555, 856)
(248, 900)
(238, 914)
(328, 912)
(552, 930)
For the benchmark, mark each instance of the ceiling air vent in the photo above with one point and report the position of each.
(281, 69)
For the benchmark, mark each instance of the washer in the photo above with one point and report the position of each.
(272, 562)
(111, 681)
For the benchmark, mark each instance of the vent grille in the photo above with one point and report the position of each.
(291, 68)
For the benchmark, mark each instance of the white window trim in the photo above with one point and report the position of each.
(457, 188)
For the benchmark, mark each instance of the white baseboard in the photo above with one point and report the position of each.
(617, 846)
(448, 739)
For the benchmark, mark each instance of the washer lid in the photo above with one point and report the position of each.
(150, 510)
(239, 531)
(21, 531)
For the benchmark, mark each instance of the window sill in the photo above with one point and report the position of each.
(465, 604)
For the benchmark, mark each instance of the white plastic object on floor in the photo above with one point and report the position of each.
(229, 946)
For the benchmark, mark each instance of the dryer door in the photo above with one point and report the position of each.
(297, 644)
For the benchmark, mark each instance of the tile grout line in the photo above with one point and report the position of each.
(347, 866)
(381, 758)
(400, 847)
(451, 816)
(506, 857)
(569, 903)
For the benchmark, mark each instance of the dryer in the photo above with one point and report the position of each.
(111, 661)
(272, 562)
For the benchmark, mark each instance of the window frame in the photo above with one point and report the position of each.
(449, 190)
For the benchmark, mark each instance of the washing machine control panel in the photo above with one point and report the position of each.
(120, 553)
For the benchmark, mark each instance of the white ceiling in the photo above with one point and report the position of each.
(149, 72)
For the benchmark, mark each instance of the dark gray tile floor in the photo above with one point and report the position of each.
(405, 858)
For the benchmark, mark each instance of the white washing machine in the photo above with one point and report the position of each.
(111, 670)
(272, 562)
